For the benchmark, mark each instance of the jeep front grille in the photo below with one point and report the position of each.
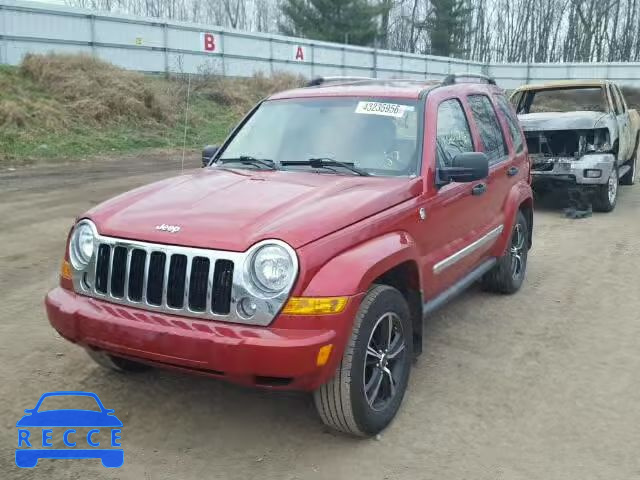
(188, 281)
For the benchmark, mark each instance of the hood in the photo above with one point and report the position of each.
(532, 122)
(233, 209)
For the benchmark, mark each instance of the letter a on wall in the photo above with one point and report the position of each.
(208, 42)
(299, 53)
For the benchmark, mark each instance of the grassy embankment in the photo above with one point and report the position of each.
(59, 107)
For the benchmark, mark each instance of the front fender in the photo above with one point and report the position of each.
(520, 196)
(354, 270)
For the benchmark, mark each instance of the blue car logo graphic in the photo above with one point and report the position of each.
(28, 452)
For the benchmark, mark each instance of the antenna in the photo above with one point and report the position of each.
(186, 117)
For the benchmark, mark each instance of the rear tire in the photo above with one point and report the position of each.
(508, 273)
(367, 389)
(606, 195)
(114, 363)
(629, 178)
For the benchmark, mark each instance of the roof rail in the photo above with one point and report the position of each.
(324, 80)
(454, 78)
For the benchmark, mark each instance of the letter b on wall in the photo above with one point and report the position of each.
(208, 42)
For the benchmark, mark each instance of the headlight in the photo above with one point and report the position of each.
(81, 246)
(272, 268)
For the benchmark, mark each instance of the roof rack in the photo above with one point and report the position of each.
(324, 80)
(454, 78)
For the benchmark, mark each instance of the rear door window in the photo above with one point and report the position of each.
(490, 131)
(453, 134)
(514, 130)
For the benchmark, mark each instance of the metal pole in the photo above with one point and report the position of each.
(375, 63)
(92, 27)
(224, 71)
(165, 39)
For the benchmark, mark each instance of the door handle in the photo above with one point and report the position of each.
(479, 189)
(512, 171)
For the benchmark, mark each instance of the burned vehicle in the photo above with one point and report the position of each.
(579, 134)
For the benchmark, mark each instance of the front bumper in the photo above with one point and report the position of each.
(258, 356)
(573, 171)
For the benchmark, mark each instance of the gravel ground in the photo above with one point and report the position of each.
(541, 385)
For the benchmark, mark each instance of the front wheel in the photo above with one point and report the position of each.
(367, 389)
(606, 195)
(629, 178)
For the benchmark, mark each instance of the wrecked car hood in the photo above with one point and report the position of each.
(229, 209)
(586, 120)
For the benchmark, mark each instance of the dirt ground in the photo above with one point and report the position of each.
(541, 385)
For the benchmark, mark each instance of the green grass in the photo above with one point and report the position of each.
(38, 125)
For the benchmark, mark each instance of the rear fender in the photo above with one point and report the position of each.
(353, 271)
(520, 197)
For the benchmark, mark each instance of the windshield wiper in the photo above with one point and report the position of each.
(248, 160)
(324, 162)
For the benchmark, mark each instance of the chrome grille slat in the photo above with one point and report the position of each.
(147, 261)
(187, 275)
(127, 269)
(111, 255)
(165, 280)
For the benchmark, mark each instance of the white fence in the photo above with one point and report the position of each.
(153, 45)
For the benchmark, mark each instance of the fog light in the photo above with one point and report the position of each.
(247, 307)
(593, 173)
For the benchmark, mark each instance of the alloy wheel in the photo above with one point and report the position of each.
(517, 250)
(384, 361)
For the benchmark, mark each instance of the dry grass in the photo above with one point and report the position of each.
(243, 93)
(97, 91)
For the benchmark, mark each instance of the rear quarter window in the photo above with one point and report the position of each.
(489, 127)
(514, 129)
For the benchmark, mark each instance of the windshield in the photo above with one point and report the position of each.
(377, 136)
(565, 100)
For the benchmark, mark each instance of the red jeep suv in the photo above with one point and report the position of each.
(307, 252)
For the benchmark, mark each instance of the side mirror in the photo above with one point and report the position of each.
(466, 167)
(208, 153)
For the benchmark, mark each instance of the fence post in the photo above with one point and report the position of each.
(165, 40)
(343, 60)
(271, 55)
(92, 29)
(3, 42)
(401, 65)
(313, 59)
(224, 70)
(528, 73)
(375, 63)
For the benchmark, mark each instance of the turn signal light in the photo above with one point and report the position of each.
(323, 355)
(65, 270)
(315, 305)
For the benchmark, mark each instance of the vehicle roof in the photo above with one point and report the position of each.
(406, 89)
(563, 84)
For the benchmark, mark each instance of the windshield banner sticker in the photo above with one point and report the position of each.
(385, 109)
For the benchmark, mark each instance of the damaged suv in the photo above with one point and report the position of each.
(579, 134)
(307, 251)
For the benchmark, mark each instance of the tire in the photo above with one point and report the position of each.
(118, 364)
(606, 196)
(509, 272)
(629, 178)
(345, 403)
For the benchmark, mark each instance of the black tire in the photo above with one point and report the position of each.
(629, 178)
(118, 364)
(342, 402)
(603, 201)
(509, 272)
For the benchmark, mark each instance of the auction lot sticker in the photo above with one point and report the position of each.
(384, 109)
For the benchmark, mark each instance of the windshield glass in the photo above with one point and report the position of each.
(378, 136)
(567, 100)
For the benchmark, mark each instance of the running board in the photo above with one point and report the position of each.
(457, 288)
(622, 171)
